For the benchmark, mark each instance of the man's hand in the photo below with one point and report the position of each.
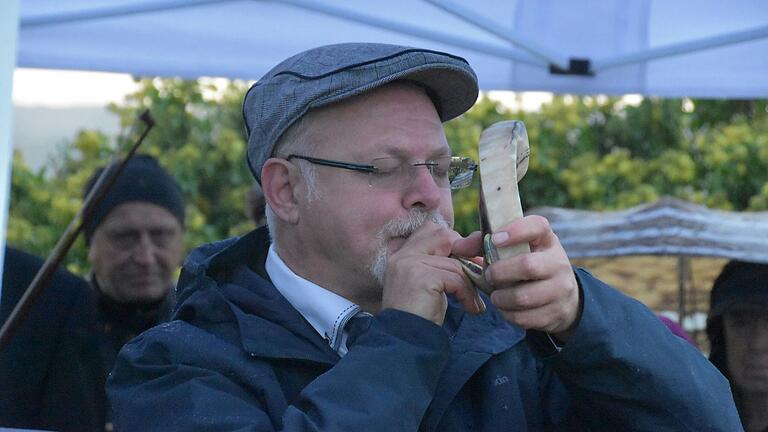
(538, 290)
(420, 274)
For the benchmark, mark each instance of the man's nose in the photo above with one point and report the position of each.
(423, 191)
(144, 250)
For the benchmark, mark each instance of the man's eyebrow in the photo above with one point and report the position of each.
(443, 152)
(392, 151)
(129, 230)
(388, 150)
(122, 230)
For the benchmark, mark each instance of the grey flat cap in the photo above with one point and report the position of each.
(332, 73)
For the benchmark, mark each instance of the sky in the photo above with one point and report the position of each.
(58, 88)
(50, 106)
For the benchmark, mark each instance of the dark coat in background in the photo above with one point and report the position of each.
(239, 357)
(50, 372)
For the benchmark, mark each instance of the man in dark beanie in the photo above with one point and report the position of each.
(738, 333)
(135, 245)
(134, 235)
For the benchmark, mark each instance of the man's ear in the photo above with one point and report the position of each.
(281, 181)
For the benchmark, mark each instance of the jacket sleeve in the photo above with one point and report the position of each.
(160, 383)
(623, 369)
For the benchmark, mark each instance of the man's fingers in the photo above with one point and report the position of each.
(534, 230)
(463, 291)
(431, 239)
(547, 305)
(536, 290)
(419, 274)
(525, 267)
(470, 246)
(530, 295)
(456, 283)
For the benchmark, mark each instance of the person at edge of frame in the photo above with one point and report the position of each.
(737, 328)
(135, 246)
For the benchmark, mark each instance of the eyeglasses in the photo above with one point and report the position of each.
(393, 173)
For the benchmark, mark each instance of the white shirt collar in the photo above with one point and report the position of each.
(326, 311)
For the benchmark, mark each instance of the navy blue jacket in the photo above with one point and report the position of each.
(239, 357)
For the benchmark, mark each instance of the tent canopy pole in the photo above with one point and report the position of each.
(538, 51)
(688, 47)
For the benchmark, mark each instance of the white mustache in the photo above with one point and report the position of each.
(406, 226)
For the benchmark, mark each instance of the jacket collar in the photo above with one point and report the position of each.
(226, 282)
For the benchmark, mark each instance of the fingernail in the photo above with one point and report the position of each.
(499, 237)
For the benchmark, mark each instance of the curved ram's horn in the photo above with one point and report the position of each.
(504, 153)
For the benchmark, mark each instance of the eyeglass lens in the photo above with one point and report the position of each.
(447, 172)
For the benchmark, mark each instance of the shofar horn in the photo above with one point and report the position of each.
(504, 153)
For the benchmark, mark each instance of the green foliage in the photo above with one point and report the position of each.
(587, 152)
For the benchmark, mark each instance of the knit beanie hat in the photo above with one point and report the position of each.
(740, 284)
(142, 179)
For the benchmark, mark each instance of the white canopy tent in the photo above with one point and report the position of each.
(701, 48)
